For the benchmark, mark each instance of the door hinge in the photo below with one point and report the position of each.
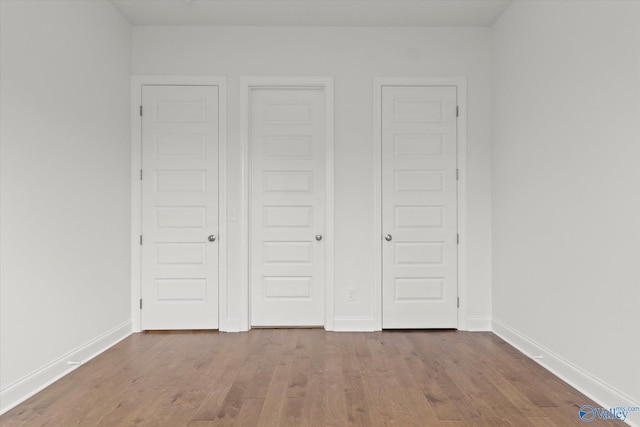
(141, 111)
(457, 111)
(457, 303)
(141, 239)
(457, 239)
(140, 174)
(140, 303)
(457, 174)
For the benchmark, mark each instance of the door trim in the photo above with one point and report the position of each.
(460, 82)
(247, 83)
(137, 81)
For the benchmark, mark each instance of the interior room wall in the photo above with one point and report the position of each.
(566, 190)
(65, 188)
(353, 56)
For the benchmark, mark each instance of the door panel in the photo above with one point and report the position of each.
(419, 207)
(179, 207)
(287, 139)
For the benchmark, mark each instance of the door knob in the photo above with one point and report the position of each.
(388, 237)
(318, 237)
(212, 238)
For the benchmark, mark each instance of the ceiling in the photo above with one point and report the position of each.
(327, 13)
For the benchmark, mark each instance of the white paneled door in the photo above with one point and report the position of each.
(419, 207)
(179, 207)
(287, 255)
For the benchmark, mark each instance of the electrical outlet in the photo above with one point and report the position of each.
(351, 294)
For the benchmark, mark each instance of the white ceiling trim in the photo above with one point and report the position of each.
(326, 13)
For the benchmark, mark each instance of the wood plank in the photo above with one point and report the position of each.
(275, 396)
(357, 407)
(313, 408)
(250, 412)
(297, 385)
(292, 412)
(232, 403)
(333, 389)
(212, 404)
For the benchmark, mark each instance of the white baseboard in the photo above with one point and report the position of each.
(479, 324)
(16, 393)
(354, 324)
(231, 325)
(587, 384)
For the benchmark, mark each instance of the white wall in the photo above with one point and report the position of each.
(65, 167)
(353, 56)
(566, 189)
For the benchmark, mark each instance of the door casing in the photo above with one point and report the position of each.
(460, 82)
(137, 82)
(247, 84)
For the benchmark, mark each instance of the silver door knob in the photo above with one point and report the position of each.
(318, 237)
(388, 237)
(212, 238)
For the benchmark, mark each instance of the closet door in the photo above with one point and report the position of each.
(287, 254)
(419, 207)
(179, 207)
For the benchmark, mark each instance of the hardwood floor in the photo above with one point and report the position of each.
(307, 377)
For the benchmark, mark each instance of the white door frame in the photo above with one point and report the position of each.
(247, 83)
(137, 81)
(460, 82)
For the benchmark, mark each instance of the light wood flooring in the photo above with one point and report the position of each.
(300, 377)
